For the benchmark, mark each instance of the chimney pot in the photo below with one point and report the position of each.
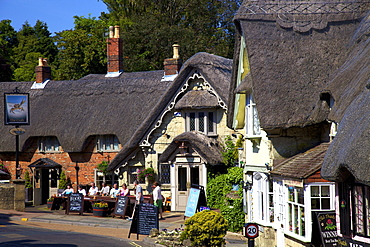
(176, 51)
(116, 31)
(111, 32)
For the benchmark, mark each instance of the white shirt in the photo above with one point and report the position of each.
(83, 192)
(114, 192)
(105, 190)
(93, 191)
(157, 193)
(68, 191)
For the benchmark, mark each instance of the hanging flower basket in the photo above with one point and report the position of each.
(147, 173)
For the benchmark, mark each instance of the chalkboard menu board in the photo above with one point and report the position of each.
(327, 229)
(145, 218)
(75, 203)
(121, 205)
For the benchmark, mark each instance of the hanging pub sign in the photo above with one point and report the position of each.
(17, 109)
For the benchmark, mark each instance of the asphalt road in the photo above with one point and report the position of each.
(18, 235)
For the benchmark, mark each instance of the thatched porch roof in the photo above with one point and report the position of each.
(207, 148)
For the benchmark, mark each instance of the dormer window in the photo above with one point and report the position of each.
(48, 144)
(201, 121)
(107, 143)
(252, 123)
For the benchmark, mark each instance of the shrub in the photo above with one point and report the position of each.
(206, 228)
(233, 213)
(63, 180)
(217, 188)
(28, 180)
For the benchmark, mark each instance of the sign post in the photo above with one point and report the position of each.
(16, 112)
(251, 232)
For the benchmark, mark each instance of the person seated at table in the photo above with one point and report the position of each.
(114, 192)
(81, 190)
(104, 189)
(124, 191)
(93, 190)
(68, 191)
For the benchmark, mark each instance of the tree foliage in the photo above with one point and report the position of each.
(149, 28)
(82, 51)
(32, 41)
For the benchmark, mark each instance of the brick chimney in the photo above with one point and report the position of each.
(43, 71)
(173, 65)
(114, 52)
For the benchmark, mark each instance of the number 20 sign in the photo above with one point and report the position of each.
(251, 230)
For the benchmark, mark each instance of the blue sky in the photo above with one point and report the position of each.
(58, 14)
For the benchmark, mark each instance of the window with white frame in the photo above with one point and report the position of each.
(321, 197)
(48, 144)
(296, 211)
(165, 173)
(252, 123)
(107, 143)
(263, 199)
(361, 210)
(201, 121)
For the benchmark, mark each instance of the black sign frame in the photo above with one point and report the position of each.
(326, 228)
(77, 200)
(144, 219)
(122, 201)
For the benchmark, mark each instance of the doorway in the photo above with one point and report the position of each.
(186, 175)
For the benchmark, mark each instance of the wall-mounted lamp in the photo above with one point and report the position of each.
(247, 185)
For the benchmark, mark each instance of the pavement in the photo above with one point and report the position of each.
(42, 217)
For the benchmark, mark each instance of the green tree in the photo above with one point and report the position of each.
(32, 41)
(64, 181)
(82, 51)
(151, 27)
(8, 40)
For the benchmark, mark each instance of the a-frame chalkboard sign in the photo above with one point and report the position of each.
(75, 203)
(196, 199)
(121, 206)
(145, 218)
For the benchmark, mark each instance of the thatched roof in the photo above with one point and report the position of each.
(197, 99)
(350, 150)
(94, 105)
(207, 148)
(289, 66)
(302, 165)
(45, 163)
(215, 69)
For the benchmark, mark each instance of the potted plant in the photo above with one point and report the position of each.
(147, 173)
(29, 186)
(49, 202)
(100, 209)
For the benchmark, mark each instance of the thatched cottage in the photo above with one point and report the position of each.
(287, 55)
(125, 119)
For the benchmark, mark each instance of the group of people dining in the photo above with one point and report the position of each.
(104, 191)
(115, 191)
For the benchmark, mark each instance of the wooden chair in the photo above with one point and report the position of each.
(167, 204)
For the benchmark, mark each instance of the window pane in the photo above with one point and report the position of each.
(201, 122)
(256, 122)
(192, 121)
(325, 191)
(165, 174)
(291, 194)
(210, 122)
(325, 203)
(358, 210)
(315, 203)
(300, 194)
(315, 191)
